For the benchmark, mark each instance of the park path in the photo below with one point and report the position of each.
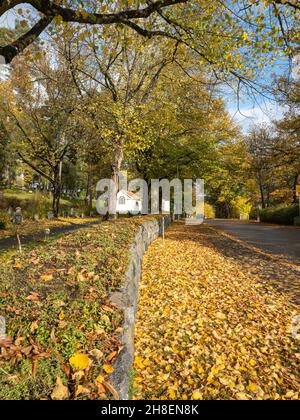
(210, 326)
(11, 242)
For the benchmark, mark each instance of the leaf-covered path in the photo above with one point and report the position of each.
(211, 327)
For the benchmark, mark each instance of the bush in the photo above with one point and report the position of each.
(280, 215)
(4, 220)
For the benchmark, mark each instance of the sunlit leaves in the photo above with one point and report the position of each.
(207, 328)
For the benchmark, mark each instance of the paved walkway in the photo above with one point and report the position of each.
(210, 324)
(278, 240)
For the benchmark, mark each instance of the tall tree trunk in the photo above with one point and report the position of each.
(89, 184)
(57, 189)
(295, 183)
(262, 195)
(116, 165)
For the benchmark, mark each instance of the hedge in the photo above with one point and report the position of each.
(280, 215)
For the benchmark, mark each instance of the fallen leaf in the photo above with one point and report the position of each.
(197, 395)
(111, 356)
(34, 326)
(81, 390)
(61, 316)
(98, 354)
(108, 368)
(60, 392)
(112, 390)
(99, 379)
(79, 361)
(46, 277)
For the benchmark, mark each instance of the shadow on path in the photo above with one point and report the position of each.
(282, 241)
(11, 242)
(285, 277)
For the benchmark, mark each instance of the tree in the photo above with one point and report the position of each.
(124, 73)
(52, 10)
(40, 112)
(233, 38)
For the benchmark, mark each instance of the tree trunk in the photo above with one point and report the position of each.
(89, 184)
(262, 196)
(116, 167)
(295, 197)
(57, 190)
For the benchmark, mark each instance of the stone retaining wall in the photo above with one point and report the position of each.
(127, 300)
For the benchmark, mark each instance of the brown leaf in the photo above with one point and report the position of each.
(18, 341)
(34, 367)
(81, 390)
(52, 336)
(60, 392)
(111, 356)
(111, 389)
(26, 350)
(33, 297)
(101, 389)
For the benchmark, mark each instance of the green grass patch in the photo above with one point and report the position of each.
(55, 299)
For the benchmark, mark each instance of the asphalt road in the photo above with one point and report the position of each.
(277, 240)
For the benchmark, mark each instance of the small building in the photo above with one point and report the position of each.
(128, 202)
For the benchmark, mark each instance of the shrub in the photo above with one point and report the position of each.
(280, 215)
(4, 220)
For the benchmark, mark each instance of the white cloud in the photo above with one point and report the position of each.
(249, 116)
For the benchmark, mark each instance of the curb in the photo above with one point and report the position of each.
(126, 299)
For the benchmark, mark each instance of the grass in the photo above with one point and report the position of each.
(32, 227)
(39, 203)
(26, 195)
(55, 299)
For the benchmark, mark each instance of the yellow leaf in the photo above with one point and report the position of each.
(241, 396)
(139, 363)
(106, 319)
(252, 387)
(61, 316)
(245, 36)
(221, 316)
(172, 394)
(46, 277)
(80, 277)
(79, 361)
(99, 379)
(197, 395)
(34, 326)
(108, 368)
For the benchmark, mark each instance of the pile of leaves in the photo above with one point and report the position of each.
(209, 328)
(63, 333)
